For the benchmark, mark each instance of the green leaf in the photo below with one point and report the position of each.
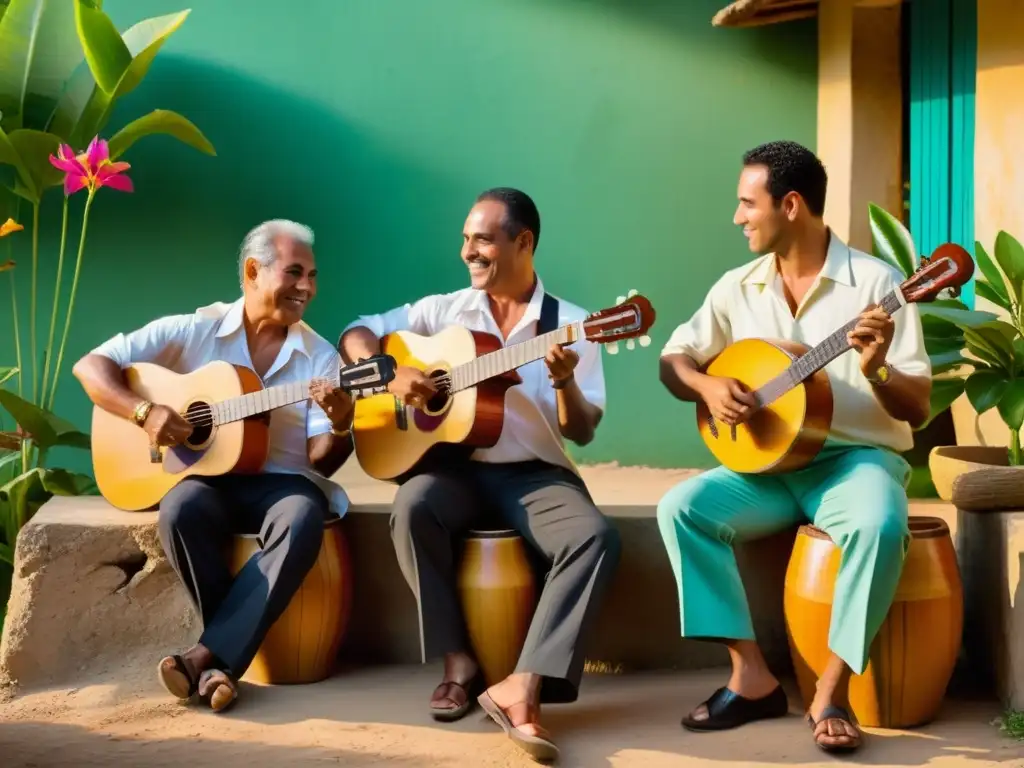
(6, 373)
(34, 148)
(891, 242)
(986, 388)
(935, 345)
(987, 292)
(6, 555)
(143, 42)
(947, 361)
(993, 339)
(944, 392)
(156, 122)
(993, 277)
(19, 33)
(61, 482)
(19, 500)
(105, 51)
(1010, 256)
(9, 156)
(1011, 406)
(962, 318)
(936, 327)
(47, 429)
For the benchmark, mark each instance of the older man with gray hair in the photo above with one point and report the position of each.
(287, 503)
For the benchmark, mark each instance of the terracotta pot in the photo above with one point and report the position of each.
(912, 657)
(498, 592)
(948, 462)
(302, 645)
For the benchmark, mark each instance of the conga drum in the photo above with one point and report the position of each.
(498, 592)
(302, 645)
(912, 658)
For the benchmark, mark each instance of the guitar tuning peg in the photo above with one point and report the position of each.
(645, 341)
(620, 299)
(613, 348)
(630, 344)
(632, 293)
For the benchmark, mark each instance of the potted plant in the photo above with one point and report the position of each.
(944, 342)
(991, 373)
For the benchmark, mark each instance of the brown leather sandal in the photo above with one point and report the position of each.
(176, 678)
(539, 747)
(444, 692)
(834, 713)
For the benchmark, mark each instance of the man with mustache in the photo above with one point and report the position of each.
(288, 502)
(804, 285)
(526, 477)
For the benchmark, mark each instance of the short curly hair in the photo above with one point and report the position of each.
(792, 168)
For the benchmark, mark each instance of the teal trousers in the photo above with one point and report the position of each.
(856, 494)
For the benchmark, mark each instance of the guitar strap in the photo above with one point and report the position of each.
(548, 315)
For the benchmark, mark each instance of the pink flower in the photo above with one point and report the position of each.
(92, 169)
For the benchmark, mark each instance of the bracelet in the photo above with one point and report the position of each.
(141, 412)
(561, 383)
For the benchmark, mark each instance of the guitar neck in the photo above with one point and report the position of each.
(507, 359)
(817, 358)
(261, 401)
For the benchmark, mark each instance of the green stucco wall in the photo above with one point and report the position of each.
(377, 121)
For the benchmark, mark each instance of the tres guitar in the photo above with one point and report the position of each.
(794, 398)
(472, 371)
(229, 409)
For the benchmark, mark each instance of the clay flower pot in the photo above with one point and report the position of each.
(976, 478)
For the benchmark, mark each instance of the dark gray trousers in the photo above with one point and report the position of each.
(197, 522)
(551, 509)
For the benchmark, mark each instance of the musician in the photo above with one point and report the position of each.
(804, 285)
(529, 481)
(287, 503)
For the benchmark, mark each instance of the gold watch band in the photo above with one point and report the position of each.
(141, 412)
(882, 375)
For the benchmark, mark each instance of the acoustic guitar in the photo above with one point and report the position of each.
(793, 412)
(472, 371)
(229, 410)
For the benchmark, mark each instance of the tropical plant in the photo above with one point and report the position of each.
(943, 340)
(63, 67)
(972, 351)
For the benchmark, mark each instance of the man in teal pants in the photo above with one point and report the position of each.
(804, 285)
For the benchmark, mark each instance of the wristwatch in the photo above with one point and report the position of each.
(141, 412)
(882, 375)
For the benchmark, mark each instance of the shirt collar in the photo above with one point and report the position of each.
(231, 323)
(837, 267)
(477, 302)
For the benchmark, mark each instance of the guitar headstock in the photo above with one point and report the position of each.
(368, 377)
(949, 266)
(631, 317)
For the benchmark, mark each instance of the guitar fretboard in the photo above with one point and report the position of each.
(816, 358)
(509, 358)
(244, 406)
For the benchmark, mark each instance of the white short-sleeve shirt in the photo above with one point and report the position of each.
(184, 343)
(531, 410)
(749, 302)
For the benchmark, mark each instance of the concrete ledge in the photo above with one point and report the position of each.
(92, 586)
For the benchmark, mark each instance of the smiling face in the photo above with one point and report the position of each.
(765, 222)
(493, 257)
(283, 289)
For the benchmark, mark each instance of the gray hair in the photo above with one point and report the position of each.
(259, 242)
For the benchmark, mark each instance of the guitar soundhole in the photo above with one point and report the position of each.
(200, 416)
(439, 402)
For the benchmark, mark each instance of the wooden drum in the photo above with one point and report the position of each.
(912, 657)
(302, 645)
(498, 592)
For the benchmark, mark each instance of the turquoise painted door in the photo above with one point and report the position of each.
(942, 48)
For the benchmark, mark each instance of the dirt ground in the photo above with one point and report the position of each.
(378, 717)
